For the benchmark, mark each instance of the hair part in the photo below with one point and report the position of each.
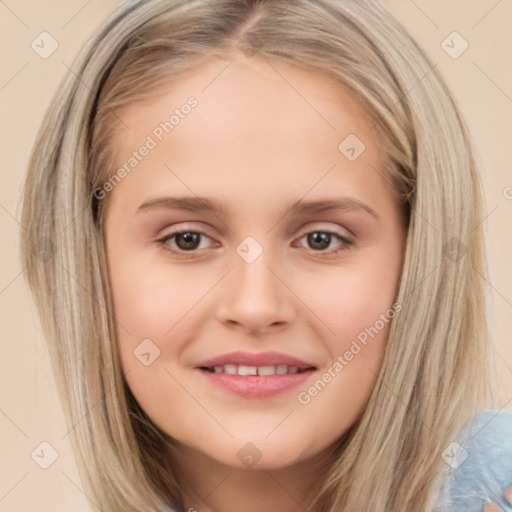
(436, 369)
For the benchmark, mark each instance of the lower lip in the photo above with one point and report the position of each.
(257, 386)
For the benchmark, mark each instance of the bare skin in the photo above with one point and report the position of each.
(260, 138)
(494, 507)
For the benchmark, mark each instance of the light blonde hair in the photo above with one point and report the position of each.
(436, 371)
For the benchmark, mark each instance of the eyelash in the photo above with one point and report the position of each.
(346, 242)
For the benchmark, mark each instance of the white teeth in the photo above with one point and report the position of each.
(233, 369)
(266, 370)
(281, 369)
(247, 370)
(230, 369)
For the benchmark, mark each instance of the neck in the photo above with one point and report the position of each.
(210, 486)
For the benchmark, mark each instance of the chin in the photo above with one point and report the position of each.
(261, 454)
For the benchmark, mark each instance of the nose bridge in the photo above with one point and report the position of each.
(255, 297)
(252, 270)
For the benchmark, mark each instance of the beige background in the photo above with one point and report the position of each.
(481, 79)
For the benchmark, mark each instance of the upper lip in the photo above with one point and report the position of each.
(255, 359)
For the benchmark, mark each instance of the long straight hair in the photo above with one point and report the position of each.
(436, 370)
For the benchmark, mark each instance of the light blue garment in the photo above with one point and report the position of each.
(479, 466)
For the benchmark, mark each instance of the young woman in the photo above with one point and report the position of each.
(263, 288)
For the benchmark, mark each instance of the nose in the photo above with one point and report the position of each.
(255, 298)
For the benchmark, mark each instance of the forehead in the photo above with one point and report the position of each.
(257, 127)
(254, 95)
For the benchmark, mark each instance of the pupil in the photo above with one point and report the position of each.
(322, 238)
(189, 238)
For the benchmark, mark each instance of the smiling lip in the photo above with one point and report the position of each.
(255, 359)
(256, 386)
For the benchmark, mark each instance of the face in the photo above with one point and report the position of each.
(260, 313)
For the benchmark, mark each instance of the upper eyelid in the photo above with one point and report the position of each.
(315, 227)
(337, 231)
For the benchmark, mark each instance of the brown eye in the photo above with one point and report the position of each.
(183, 241)
(319, 241)
(187, 240)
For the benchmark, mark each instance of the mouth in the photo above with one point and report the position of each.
(233, 369)
(260, 375)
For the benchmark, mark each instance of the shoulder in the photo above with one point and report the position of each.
(479, 464)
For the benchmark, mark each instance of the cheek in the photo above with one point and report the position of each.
(352, 300)
(355, 302)
(359, 311)
(150, 299)
(357, 307)
(156, 303)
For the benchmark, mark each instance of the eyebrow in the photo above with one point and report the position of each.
(190, 203)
